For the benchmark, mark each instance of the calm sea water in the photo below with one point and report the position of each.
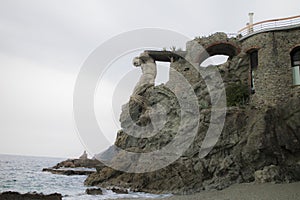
(24, 174)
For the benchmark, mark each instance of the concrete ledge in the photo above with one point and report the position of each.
(166, 56)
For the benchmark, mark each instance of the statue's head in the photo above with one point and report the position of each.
(137, 61)
(144, 57)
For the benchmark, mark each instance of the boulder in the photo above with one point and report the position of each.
(268, 174)
(94, 191)
(119, 190)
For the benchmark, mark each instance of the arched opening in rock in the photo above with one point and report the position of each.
(295, 59)
(218, 53)
(222, 49)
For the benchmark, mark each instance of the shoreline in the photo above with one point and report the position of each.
(245, 191)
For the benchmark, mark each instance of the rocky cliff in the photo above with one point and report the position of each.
(261, 144)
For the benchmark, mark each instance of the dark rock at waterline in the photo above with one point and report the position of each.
(98, 191)
(119, 190)
(70, 167)
(75, 163)
(94, 191)
(68, 172)
(29, 196)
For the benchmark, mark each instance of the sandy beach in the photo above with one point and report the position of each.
(249, 191)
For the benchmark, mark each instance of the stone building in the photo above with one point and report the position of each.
(271, 56)
(274, 64)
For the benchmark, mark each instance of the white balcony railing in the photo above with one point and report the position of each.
(272, 24)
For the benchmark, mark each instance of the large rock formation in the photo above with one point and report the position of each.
(253, 140)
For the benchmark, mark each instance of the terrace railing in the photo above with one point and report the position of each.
(272, 24)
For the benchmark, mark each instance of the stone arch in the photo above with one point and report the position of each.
(219, 48)
(222, 48)
(295, 51)
(251, 49)
(292, 48)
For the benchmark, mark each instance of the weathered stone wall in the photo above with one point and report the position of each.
(273, 77)
(218, 43)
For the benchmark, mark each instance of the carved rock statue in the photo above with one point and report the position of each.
(147, 80)
(149, 71)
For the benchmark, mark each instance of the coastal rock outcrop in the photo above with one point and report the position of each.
(29, 196)
(70, 167)
(75, 163)
(256, 143)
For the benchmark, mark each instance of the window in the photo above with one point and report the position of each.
(253, 67)
(295, 58)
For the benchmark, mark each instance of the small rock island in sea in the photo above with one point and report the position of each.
(81, 166)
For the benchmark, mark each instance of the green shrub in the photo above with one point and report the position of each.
(237, 94)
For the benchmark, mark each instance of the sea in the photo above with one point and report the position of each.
(24, 174)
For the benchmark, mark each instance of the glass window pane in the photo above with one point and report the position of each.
(296, 75)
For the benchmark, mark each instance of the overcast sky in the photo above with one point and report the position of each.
(43, 44)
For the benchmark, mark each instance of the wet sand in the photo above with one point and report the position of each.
(249, 191)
